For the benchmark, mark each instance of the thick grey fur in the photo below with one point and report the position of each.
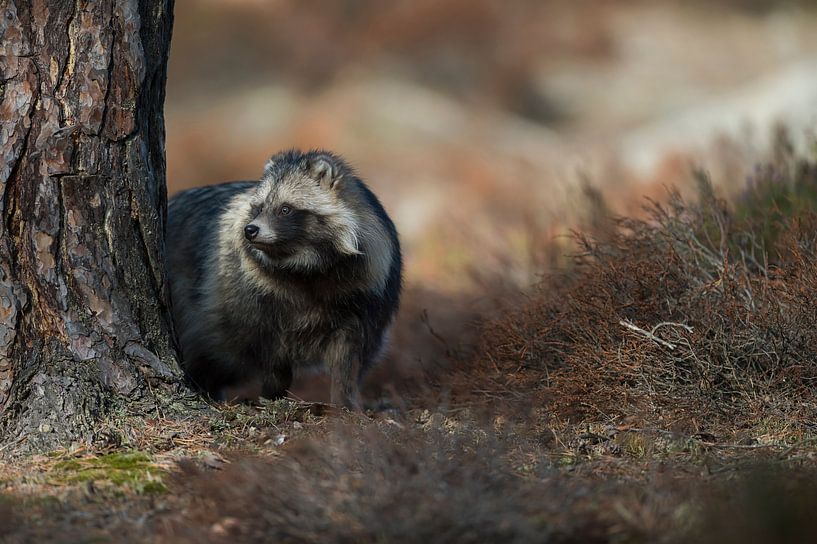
(318, 286)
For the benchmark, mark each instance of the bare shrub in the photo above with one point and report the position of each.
(693, 316)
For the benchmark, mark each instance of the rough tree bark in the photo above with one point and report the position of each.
(85, 329)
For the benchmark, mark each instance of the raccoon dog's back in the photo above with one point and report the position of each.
(302, 268)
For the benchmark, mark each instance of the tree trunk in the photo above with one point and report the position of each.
(85, 329)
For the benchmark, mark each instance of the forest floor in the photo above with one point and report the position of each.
(660, 387)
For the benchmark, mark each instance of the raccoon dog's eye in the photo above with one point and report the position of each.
(285, 210)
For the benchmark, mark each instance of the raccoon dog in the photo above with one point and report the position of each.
(300, 269)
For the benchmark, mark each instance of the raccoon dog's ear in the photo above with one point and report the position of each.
(271, 164)
(323, 170)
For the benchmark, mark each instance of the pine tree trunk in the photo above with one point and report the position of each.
(85, 329)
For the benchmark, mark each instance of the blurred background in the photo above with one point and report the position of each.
(490, 128)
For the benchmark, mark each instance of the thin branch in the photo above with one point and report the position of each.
(671, 324)
(646, 334)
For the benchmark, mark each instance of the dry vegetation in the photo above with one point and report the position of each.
(659, 388)
(696, 317)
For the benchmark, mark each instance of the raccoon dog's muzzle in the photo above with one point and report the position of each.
(260, 234)
(261, 238)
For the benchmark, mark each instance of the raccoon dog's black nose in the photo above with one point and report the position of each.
(250, 232)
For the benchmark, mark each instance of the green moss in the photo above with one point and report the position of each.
(134, 470)
(568, 459)
(634, 445)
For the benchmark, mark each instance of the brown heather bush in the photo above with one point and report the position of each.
(439, 484)
(696, 317)
(399, 485)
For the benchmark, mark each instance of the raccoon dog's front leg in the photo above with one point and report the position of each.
(277, 379)
(343, 363)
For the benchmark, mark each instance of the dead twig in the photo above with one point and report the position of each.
(646, 334)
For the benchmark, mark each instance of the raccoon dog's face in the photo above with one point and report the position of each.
(299, 218)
